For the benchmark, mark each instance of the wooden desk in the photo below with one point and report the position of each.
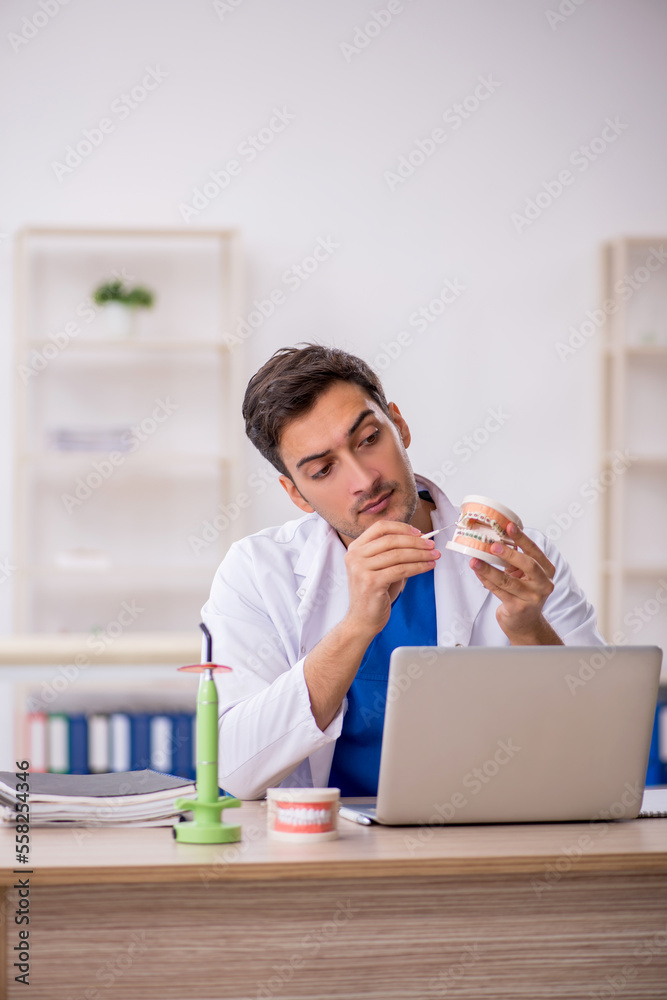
(476, 912)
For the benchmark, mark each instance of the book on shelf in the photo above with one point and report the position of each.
(125, 798)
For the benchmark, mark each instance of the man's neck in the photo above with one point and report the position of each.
(422, 516)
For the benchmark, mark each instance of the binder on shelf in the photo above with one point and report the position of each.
(655, 770)
(99, 759)
(161, 743)
(662, 741)
(120, 741)
(193, 744)
(140, 737)
(78, 744)
(182, 746)
(36, 742)
(58, 743)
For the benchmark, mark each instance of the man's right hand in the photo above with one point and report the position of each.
(378, 563)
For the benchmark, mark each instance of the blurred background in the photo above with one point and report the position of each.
(426, 183)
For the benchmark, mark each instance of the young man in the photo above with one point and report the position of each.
(307, 613)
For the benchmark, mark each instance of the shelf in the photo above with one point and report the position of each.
(634, 416)
(161, 489)
(650, 461)
(159, 577)
(165, 464)
(638, 351)
(638, 571)
(96, 344)
(104, 235)
(147, 648)
(646, 461)
(647, 350)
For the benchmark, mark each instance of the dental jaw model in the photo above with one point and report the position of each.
(483, 522)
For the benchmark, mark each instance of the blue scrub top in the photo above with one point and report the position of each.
(356, 761)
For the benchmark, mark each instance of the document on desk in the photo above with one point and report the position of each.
(654, 803)
(139, 798)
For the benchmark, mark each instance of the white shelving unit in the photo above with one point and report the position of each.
(65, 673)
(634, 392)
(101, 529)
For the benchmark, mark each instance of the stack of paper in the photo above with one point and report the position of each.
(120, 798)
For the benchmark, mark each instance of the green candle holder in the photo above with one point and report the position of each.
(206, 825)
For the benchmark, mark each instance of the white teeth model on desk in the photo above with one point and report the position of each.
(303, 815)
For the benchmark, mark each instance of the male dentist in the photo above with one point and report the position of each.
(308, 613)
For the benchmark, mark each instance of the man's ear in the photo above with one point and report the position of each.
(294, 495)
(400, 423)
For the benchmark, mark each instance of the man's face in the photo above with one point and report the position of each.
(348, 462)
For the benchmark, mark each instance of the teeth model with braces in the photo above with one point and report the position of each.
(483, 522)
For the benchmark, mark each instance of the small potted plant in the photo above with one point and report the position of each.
(121, 305)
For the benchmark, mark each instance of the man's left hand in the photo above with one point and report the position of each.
(522, 589)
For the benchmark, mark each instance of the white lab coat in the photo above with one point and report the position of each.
(278, 592)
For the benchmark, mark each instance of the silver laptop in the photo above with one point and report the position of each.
(515, 734)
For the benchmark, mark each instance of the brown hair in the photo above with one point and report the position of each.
(289, 384)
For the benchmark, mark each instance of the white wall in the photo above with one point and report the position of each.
(228, 65)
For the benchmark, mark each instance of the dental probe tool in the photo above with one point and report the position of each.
(437, 531)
